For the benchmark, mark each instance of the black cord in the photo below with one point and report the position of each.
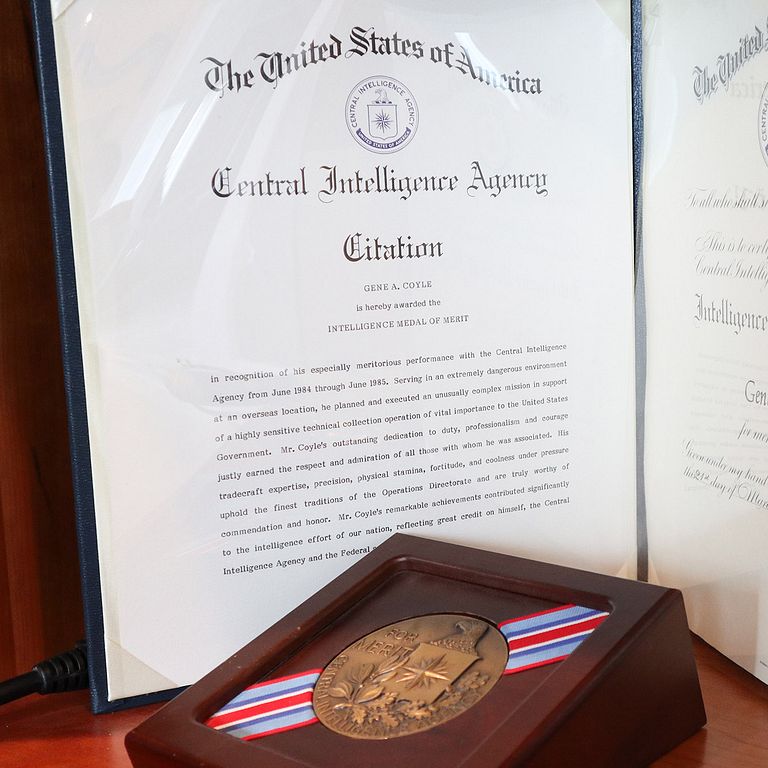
(66, 672)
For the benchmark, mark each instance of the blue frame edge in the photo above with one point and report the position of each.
(640, 318)
(74, 381)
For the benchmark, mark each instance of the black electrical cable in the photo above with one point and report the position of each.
(65, 672)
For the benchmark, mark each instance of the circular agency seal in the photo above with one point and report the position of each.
(381, 114)
(762, 124)
(410, 676)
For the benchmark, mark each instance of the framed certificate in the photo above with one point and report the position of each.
(332, 271)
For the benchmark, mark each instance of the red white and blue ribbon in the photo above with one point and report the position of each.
(270, 707)
(286, 702)
(548, 636)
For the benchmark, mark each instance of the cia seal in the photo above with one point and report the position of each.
(762, 124)
(410, 676)
(381, 114)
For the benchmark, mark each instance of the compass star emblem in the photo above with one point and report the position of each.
(382, 121)
(424, 672)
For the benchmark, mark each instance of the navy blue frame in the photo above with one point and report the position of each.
(74, 382)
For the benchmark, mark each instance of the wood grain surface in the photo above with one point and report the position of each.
(40, 609)
(60, 731)
(737, 711)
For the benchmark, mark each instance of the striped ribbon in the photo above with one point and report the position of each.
(548, 636)
(266, 708)
(286, 702)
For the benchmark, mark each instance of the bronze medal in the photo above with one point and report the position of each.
(410, 676)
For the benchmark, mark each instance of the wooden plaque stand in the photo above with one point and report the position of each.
(627, 695)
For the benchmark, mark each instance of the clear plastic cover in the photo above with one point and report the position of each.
(343, 269)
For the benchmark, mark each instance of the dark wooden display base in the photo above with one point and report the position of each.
(627, 695)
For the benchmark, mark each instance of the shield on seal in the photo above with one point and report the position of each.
(382, 120)
(429, 671)
(432, 667)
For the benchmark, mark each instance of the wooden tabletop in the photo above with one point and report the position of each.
(60, 731)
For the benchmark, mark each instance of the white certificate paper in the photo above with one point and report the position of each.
(706, 254)
(344, 269)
